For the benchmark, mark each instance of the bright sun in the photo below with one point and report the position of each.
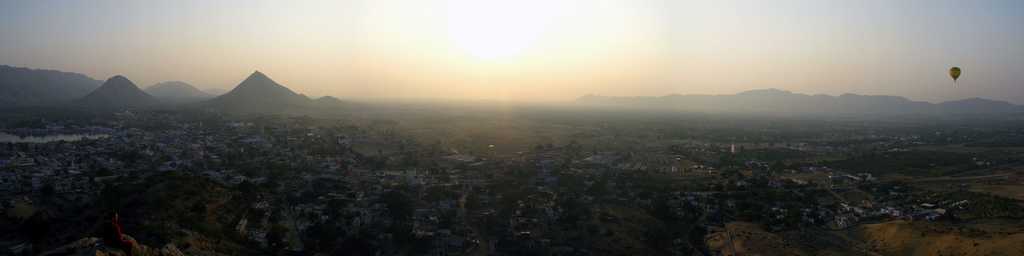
(495, 29)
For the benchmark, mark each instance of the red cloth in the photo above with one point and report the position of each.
(125, 243)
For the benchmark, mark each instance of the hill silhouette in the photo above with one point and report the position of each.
(328, 101)
(117, 93)
(978, 105)
(781, 101)
(177, 91)
(33, 87)
(215, 91)
(258, 94)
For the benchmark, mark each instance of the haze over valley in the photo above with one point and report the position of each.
(479, 127)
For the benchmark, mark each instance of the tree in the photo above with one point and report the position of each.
(778, 166)
(110, 197)
(323, 236)
(198, 210)
(277, 237)
(38, 226)
(399, 205)
(47, 190)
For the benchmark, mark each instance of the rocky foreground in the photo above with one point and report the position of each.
(95, 246)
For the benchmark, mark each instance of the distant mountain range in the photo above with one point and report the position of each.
(36, 87)
(177, 92)
(117, 93)
(21, 87)
(260, 94)
(780, 101)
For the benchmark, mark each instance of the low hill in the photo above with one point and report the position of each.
(215, 91)
(117, 93)
(1003, 237)
(33, 87)
(328, 101)
(177, 92)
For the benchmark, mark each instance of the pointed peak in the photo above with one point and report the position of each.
(258, 77)
(118, 78)
(258, 92)
(257, 73)
(118, 81)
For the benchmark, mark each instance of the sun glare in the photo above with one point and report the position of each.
(493, 29)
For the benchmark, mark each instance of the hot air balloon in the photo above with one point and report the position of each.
(954, 72)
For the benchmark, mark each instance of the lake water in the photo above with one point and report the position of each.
(11, 138)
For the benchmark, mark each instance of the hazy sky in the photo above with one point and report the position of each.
(533, 49)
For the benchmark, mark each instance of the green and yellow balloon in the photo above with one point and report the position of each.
(954, 72)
